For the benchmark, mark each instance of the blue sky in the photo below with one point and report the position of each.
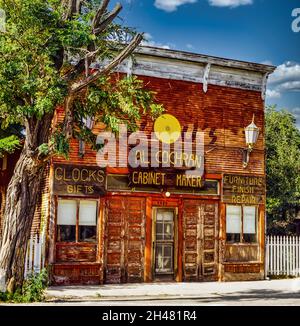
(251, 30)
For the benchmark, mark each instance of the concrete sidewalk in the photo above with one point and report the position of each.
(273, 289)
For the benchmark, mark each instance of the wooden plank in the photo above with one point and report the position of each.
(223, 74)
(243, 189)
(148, 240)
(78, 180)
(180, 236)
(200, 58)
(125, 234)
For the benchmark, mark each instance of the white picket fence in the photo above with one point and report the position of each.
(35, 255)
(283, 255)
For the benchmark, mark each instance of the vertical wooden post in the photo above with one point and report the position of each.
(222, 239)
(261, 236)
(180, 240)
(267, 261)
(294, 258)
(298, 256)
(288, 255)
(148, 241)
(277, 255)
(100, 230)
(271, 255)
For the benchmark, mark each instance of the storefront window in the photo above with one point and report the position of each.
(87, 220)
(241, 224)
(76, 220)
(66, 220)
(249, 223)
(233, 223)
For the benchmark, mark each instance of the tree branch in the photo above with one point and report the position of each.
(112, 15)
(100, 12)
(76, 87)
(98, 27)
(73, 7)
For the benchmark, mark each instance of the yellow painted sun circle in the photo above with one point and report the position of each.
(167, 128)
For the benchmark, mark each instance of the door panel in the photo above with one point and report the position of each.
(200, 259)
(124, 239)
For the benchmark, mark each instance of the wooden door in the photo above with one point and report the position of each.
(124, 239)
(200, 223)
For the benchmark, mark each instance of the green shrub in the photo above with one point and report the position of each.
(32, 291)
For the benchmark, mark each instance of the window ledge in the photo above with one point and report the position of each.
(242, 244)
(76, 243)
(242, 262)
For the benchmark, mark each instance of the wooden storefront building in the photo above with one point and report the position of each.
(113, 225)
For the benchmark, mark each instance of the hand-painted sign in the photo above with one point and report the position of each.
(78, 180)
(165, 179)
(240, 189)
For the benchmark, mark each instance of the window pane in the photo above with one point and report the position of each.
(88, 212)
(249, 224)
(87, 233)
(249, 238)
(66, 233)
(66, 212)
(165, 215)
(233, 237)
(249, 220)
(233, 219)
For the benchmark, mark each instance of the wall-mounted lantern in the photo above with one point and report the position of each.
(251, 136)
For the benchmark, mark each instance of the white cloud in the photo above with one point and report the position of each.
(273, 93)
(150, 42)
(230, 3)
(171, 5)
(190, 46)
(286, 78)
(290, 86)
(267, 62)
(288, 71)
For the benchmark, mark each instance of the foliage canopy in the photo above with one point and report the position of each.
(53, 49)
(283, 169)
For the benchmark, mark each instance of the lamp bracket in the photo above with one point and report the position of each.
(246, 156)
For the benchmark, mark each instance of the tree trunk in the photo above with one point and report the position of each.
(22, 195)
(2, 205)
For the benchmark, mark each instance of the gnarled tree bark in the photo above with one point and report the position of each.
(22, 196)
(25, 186)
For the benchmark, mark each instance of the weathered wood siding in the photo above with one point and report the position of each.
(76, 273)
(41, 215)
(200, 240)
(221, 113)
(211, 95)
(124, 239)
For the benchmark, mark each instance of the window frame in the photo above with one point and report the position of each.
(242, 241)
(77, 236)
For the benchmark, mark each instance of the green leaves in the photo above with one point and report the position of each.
(9, 138)
(283, 166)
(9, 144)
(44, 52)
(62, 146)
(33, 289)
(116, 101)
